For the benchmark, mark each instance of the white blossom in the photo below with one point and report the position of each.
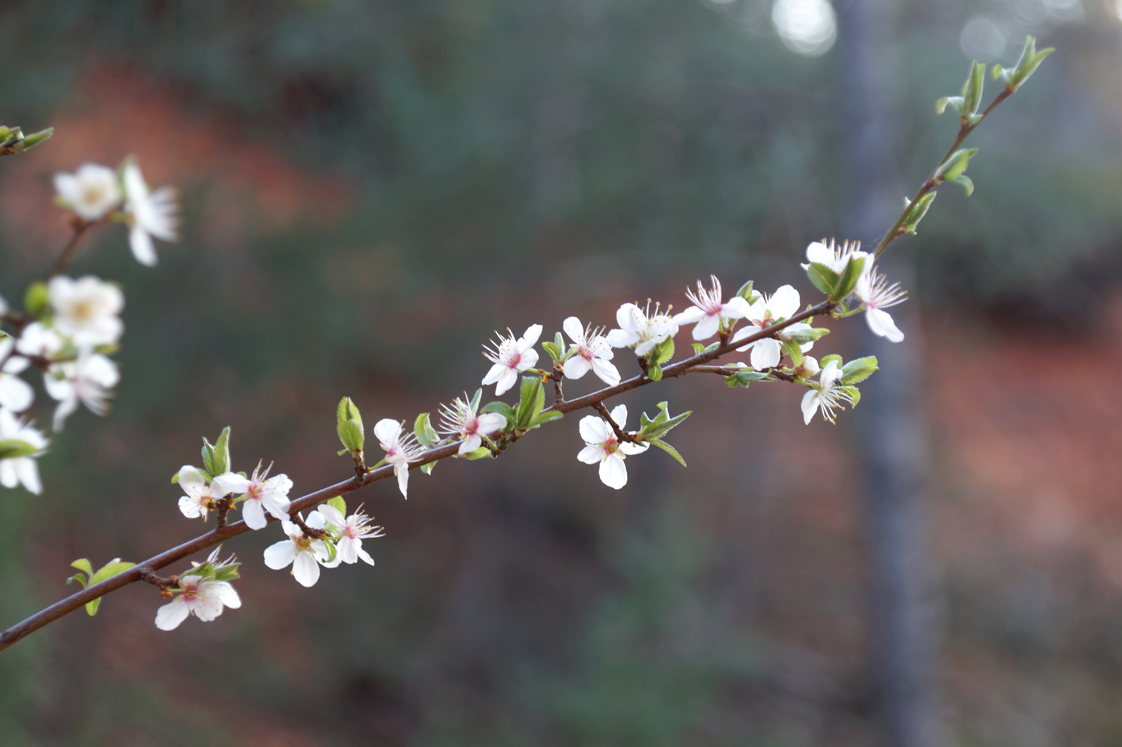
(23, 469)
(200, 497)
(352, 530)
(205, 599)
(836, 257)
(588, 351)
(511, 356)
(764, 312)
(259, 493)
(400, 448)
(149, 214)
(641, 328)
(91, 191)
(304, 554)
(87, 309)
(603, 446)
(825, 395)
(15, 393)
(459, 420)
(41, 340)
(876, 295)
(89, 380)
(709, 313)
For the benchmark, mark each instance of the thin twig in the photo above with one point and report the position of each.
(621, 434)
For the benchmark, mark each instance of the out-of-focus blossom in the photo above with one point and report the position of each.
(91, 191)
(22, 469)
(89, 379)
(87, 310)
(876, 295)
(148, 214)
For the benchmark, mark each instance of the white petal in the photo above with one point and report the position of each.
(613, 472)
(631, 449)
(765, 353)
(489, 422)
(736, 308)
(880, 322)
(365, 556)
(8, 471)
(227, 594)
(305, 569)
(28, 472)
(65, 409)
(576, 367)
(590, 454)
(172, 614)
(346, 551)
(402, 472)
(15, 393)
(574, 329)
(190, 507)
(529, 359)
(809, 405)
(707, 327)
(142, 247)
(594, 430)
(619, 414)
(533, 332)
(608, 373)
(229, 482)
(494, 374)
(784, 303)
(280, 555)
(276, 504)
(820, 253)
(253, 514)
(387, 431)
(692, 315)
(621, 338)
(507, 379)
(333, 515)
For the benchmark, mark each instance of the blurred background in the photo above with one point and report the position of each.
(370, 188)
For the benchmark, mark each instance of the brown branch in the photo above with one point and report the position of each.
(311, 500)
(81, 229)
(621, 435)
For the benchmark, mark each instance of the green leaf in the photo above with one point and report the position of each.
(37, 300)
(854, 394)
(331, 551)
(80, 578)
(823, 278)
(553, 350)
(423, 430)
(698, 348)
(848, 278)
(112, 568)
(745, 377)
(351, 435)
(966, 183)
(91, 607)
(222, 452)
(955, 102)
(661, 424)
(348, 411)
(654, 373)
(531, 403)
(428, 467)
(955, 164)
(663, 352)
(972, 90)
(831, 357)
(548, 417)
(13, 448)
(858, 370)
(746, 292)
(83, 564)
(1015, 77)
(339, 504)
(474, 404)
(668, 449)
(915, 215)
(794, 350)
(208, 456)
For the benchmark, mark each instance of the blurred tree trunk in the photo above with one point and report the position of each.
(903, 629)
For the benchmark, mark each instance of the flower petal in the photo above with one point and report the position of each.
(280, 555)
(172, 614)
(613, 472)
(305, 569)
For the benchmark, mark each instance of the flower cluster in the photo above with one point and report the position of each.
(204, 591)
(330, 539)
(70, 326)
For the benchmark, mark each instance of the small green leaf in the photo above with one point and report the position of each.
(83, 564)
(955, 102)
(548, 417)
(553, 350)
(831, 357)
(955, 164)
(80, 578)
(972, 90)
(428, 467)
(37, 300)
(654, 373)
(794, 350)
(339, 504)
(848, 278)
(661, 424)
(858, 370)
(222, 453)
(351, 435)
(746, 376)
(668, 449)
(14, 448)
(423, 430)
(348, 411)
(112, 568)
(474, 404)
(531, 403)
(698, 348)
(915, 215)
(966, 183)
(823, 278)
(91, 607)
(747, 293)
(662, 352)
(208, 456)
